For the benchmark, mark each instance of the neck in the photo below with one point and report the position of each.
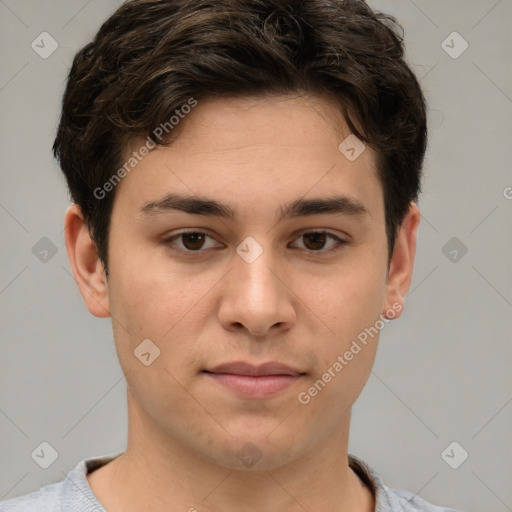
(157, 473)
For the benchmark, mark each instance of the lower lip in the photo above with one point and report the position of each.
(255, 387)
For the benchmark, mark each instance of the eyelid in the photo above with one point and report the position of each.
(167, 240)
(341, 242)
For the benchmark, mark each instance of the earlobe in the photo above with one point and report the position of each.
(402, 263)
(87, 268)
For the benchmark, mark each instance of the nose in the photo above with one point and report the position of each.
(256, 297)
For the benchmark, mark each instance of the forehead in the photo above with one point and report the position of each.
(239, 125)
(269, 147)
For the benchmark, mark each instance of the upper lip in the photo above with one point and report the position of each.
(244, 368)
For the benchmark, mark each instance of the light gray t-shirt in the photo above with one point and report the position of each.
(73, 494)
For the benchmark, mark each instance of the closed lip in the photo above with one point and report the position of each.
(252, 370)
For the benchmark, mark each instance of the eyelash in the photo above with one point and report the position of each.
(340, 243)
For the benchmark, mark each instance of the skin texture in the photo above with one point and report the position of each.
(290, 305)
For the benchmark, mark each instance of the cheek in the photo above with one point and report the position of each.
(350, 306)
(146, 306)
(158, 303)
(146, 297)
(347, 355)
(333, 392)
(351, 301)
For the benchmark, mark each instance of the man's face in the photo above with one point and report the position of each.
(253, 287)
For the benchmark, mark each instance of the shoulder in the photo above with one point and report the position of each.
(388, 499)
(409, 502)
(46, 499)
(73, 494)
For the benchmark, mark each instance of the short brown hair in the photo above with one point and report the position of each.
(151, 56)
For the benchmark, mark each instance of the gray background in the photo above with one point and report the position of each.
(443, 370)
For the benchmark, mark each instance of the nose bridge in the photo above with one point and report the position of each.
(254, 273)
(255, 298)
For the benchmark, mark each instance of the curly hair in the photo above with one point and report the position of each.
(151, 56)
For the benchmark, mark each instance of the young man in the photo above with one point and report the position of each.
(244, 178)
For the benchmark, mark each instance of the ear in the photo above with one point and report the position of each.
(87, 267)
(402, 262)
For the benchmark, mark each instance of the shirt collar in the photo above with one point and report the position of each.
(385, 501)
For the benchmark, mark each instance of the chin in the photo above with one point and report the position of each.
(253, 453)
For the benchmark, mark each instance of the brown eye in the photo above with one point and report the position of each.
(314, 241)
(193, 241)
(190, 242)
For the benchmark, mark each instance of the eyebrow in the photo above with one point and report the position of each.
(197, 205)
